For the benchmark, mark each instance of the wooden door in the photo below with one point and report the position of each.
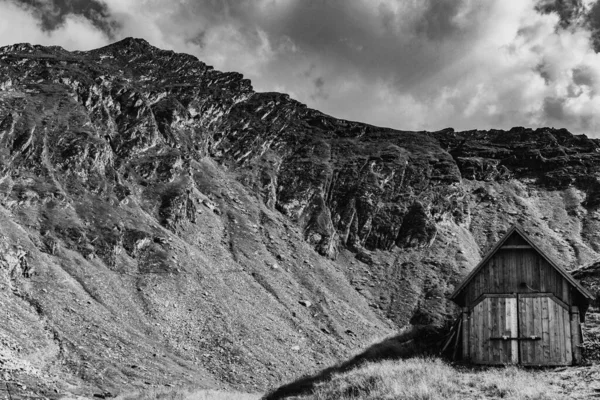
(493, 330)
(544, 330)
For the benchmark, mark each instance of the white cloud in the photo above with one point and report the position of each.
(18, 25)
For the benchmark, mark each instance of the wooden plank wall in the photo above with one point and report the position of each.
(513, 321)
(541, 329)
(507, 269)
(575, 336)
(465, 333)
(546, 319)
(491, 319)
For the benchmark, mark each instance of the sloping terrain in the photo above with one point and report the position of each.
(162, 223)
(424, 378)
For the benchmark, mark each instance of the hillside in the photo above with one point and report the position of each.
(423, 378)
(164, 224)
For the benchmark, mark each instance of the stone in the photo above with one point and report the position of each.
(305, 303)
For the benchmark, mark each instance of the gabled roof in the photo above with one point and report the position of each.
(521, 232)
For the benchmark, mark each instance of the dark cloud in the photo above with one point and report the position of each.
(199, 39)
(554, 108)
(542, 70)
(574, 13)
(593, 20)
(320, 92)
(438, 21)
(52, 13)
(319, 83)
(569, 11)
(583, 76)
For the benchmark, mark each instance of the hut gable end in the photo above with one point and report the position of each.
(516, 265)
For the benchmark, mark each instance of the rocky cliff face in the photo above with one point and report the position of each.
(162, 222)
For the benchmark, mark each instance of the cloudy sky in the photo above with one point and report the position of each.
(406, 64)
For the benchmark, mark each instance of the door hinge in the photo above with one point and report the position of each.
(516, 338)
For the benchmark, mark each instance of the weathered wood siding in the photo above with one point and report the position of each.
(517, 270)
(491, 320)
(544, 318)
(576, 335)
(528, 329)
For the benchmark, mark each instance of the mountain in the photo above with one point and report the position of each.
(163, 224)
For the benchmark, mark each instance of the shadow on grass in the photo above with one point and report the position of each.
(418, 341)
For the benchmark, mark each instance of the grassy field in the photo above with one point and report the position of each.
(432, 379)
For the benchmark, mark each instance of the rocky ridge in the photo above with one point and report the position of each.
(162, 223)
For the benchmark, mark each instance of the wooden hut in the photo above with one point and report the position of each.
(519, 307)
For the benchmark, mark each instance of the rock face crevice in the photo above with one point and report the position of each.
(161, 206)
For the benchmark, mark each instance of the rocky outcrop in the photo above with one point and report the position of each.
(553, 158)
(589, 275)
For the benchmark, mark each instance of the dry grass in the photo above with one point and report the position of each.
(187, 394)
(432, 379)
(418, 340)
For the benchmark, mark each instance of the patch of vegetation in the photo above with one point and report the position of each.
(432, 379)
(417, 341)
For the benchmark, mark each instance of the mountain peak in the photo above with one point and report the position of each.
(131, 41)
